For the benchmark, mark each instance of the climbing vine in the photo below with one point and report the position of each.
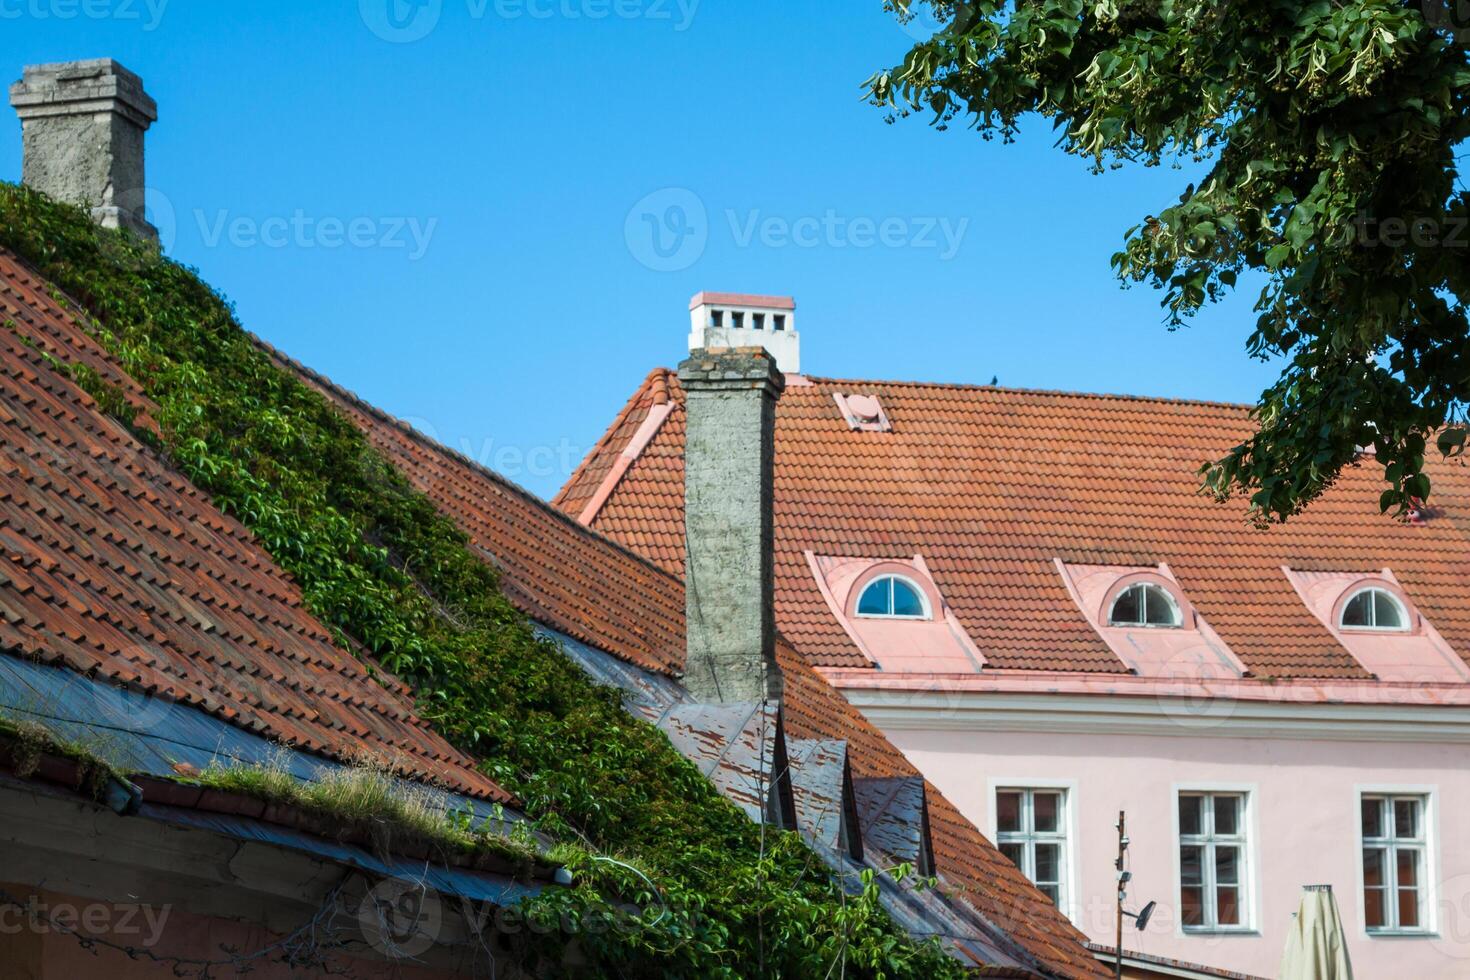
(382, 567)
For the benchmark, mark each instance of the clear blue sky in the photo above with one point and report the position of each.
(518, 136)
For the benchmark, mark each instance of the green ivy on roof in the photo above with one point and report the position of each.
(385, 570)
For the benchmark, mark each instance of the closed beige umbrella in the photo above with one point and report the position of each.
(1316, 948)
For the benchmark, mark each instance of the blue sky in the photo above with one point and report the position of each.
(452, 225)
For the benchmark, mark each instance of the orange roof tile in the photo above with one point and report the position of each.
(111, 563)
(552, 568)
(991, 485)
(583, 584)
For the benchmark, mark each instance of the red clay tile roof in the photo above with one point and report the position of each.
(551, 567)
(112, 563)
(991, 485)
(579, 582)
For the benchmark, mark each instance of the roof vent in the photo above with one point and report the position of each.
(744, 320)
(863, 413)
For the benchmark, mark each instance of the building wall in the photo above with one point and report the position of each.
(1303, 823)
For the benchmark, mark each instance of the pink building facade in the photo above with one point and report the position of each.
(1299, 773)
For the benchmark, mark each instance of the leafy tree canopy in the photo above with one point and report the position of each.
(1328, 133)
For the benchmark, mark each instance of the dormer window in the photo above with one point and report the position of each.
(1145, 604)
(1374, 609)
(893, 597)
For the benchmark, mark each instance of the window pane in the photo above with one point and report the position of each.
(1408, 908)
(1052, 892)
(1126, 608)
(1227, 905)
(1016, 853)
(1386, 612)
(1227, 865)
(1373, 867)
(1373, 817)
(1008, 812)
(1227, 815)
(1406, 819)
(1046, 812)
(1408, 866)
(1192, 905)
(1191, 864)
(906, 601)
(1048, 863)
(1189, 814)
(875, 599)
(1158, 607)
(1375, 912)
(1359, 610)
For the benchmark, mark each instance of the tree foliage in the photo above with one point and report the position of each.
(1328, 134)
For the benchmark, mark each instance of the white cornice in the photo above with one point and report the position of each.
(990, 711)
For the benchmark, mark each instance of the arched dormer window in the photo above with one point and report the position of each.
(1145, 604)
(1373, 608)
(893, 597)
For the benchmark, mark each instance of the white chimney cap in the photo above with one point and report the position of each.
(747, 320)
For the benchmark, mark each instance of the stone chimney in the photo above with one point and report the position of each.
(743, 320)
(83, 124)
(729, 451)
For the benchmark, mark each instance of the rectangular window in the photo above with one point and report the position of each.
(758, 321)
(717, 318)
(737, 320)
(779, 321)
(1212, 861)
(1394, 856)
(1031, 830)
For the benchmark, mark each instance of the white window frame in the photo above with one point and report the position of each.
(1428, 796)
(1068, 838)
(890, 578)
(1399, 604)
(1245, 840)
(1146, 588)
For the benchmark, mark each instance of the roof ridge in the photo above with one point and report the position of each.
(1003, 389)
(657, 379)
(437, 446)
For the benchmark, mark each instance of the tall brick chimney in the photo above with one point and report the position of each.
(83, 124)
(729, 451)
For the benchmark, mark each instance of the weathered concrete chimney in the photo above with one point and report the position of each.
(83, 124)
(729, 451)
